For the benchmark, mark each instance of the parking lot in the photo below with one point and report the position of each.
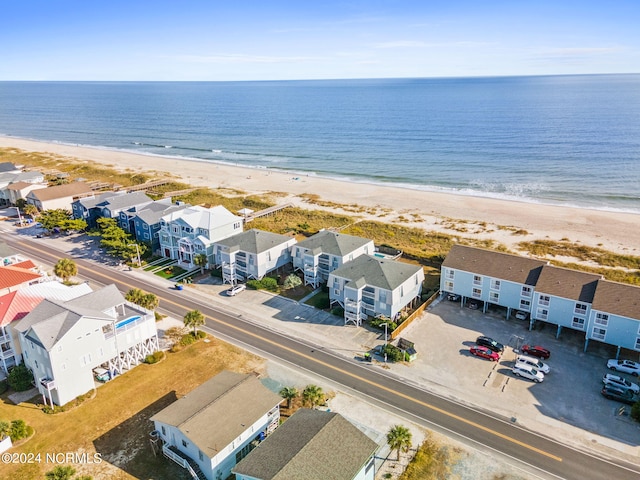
(568, 404)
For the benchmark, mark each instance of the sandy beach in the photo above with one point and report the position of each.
(465, 216)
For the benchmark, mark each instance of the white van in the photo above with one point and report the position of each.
(526, 371)
(533, 362)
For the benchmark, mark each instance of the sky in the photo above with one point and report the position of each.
(214, 40)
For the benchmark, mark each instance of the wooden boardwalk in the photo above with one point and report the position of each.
(266, 211)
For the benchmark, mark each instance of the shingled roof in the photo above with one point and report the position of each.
(218, 411)
(377, 272)
(504, 266)
(333, 243)
(311, 445)
(253, 241)
(565, 283)
(617, 299)
(72, 189)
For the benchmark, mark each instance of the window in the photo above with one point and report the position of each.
(175, 229)
(494, 297)
(146, 236)
(164, 431)
(581, 309)
(448, 286)
(382, 296)
(495, 284)
(577, 323)
(336, 292)
(236, 225)
(201, 456)
(637, 347)
(525, 305)
(477, 293)
(542, 313)
(544, 300)
(526, 291)
(185, 444)
(599, 333)
(602, 319)
(477, 280)
(450, 274)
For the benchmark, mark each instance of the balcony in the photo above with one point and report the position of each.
(48, 383)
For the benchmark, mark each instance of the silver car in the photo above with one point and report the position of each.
(236, 289)
(527, 371)
(618, 381)
(533, 362)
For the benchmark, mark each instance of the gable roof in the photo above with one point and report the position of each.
(377, 272)
(333, 243)
(218, 411)
(617, 299)
(504, 266)
(7, 167)
(16, 305)
(124, 200)
(153, 213)
(253, 241)
(60, 191)
(205, 218)
(311, 445)
(12, 276)
(51, 319)
(565, 283)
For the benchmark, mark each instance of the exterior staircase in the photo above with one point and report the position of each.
(184, 461)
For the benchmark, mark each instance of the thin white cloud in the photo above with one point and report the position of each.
(578, 52)
(420, 44)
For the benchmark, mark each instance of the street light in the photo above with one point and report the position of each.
(138, 252)
(385, 341)
(19, 217)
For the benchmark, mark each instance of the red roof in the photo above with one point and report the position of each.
(26, 264)
(15, 305)
(12, 276)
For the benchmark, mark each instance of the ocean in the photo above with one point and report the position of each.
(564, 140)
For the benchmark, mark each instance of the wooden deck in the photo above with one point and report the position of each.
(266, 211)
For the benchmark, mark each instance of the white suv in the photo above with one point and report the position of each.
(236, 289)
(526, 371)
(533, 362)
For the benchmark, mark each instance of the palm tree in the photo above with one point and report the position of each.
(289, 393)
(399, 438)
(5, 429)
(145, 300)
(201, 261)
(65, 268)
(194, 319)
(312, 395)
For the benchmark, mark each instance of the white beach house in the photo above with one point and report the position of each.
(369, 286)
(320, 254)
(251, 254)
(191, 231)
(63, 341)
(213, 427)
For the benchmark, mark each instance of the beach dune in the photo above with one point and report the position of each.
(487, 218)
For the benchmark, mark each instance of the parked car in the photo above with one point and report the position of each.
(473, 304)
(520, 315)
(615, 393)
(533, 362)
(490, 343)
(484, 352)
(528, 372)
(236, 289)
(624, 366)
(454, 297)
(619, 382)
(535, 351)
(101, 374)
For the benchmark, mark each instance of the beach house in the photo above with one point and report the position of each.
(146, 221)
(16, 185)
(17, 304)
(322, 253)
(369, 286)
(63, 341)
(58, 196)
(17, 272)
(491, 277)
(304, 447)
(251, 254)
(191, 231)
(213, 427)
(110, 205)
(615, 315)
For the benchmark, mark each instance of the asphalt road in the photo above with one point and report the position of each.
(540, 453)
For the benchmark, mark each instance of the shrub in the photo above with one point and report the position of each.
(4, 386)
(155, 357)
(394, 354)
(635, 411)
(267, 283)
(292, 281)
(200, 334)
(20, 378)
(379, 321)
(19, 430)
